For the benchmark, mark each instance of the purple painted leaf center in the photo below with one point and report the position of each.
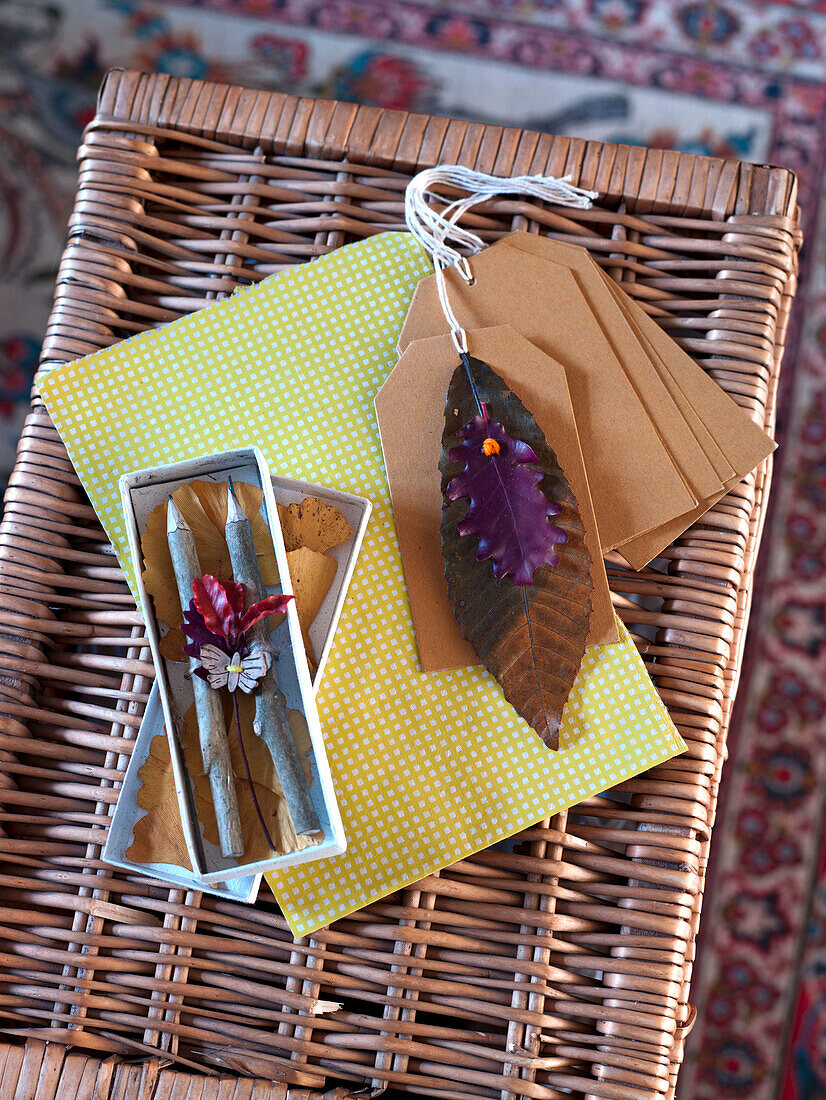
(508, 511)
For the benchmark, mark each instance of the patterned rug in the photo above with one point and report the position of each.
(731, 78)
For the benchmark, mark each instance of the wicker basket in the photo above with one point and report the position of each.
(560, 968)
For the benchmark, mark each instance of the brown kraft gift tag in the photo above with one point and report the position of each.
(635, 484)
(410, 408)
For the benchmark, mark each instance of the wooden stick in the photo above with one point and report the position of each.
(212, 730)
(271, 722)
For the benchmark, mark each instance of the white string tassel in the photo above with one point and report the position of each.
(433, 228)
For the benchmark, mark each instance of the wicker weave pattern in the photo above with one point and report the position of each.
(562, 966)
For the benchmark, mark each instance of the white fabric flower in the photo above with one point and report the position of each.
(233, 672)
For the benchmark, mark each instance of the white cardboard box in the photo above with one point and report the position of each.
(142, 491)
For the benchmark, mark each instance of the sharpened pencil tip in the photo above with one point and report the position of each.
(235, 513)
(174, 519)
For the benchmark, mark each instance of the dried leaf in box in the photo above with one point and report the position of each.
(203, 505)
(313, 523)
(311, 574)
(530, 636)
(158, 836)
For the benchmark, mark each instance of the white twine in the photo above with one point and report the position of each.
(433, 228)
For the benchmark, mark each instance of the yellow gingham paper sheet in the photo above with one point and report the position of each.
(427, 768)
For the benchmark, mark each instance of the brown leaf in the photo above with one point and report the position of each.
(312, 574)
(203, 505)
(313, 523)
(172, 645)
(158, 836)
(531, 637)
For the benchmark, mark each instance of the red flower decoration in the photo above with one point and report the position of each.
(216, 615)
(221, 605)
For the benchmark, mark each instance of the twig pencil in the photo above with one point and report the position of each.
(212, 729)
(271, 722)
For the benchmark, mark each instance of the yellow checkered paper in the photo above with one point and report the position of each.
(427, 768)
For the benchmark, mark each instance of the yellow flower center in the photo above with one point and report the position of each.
(235, 668)
(490, 447)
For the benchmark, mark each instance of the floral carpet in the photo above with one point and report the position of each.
(728, 77)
